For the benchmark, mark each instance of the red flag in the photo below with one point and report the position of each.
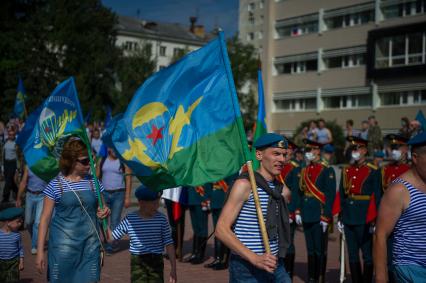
(372, 210)
(336, 205)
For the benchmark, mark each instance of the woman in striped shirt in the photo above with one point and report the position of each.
(74, 242)
(402, 212)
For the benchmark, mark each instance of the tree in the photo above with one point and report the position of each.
(133, 70)
(49, 40)
(244, 64)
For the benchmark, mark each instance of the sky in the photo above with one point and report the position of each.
(210, 13)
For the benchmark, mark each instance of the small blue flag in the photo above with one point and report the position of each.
(19, 108)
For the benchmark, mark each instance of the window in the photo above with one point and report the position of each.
(163, 50)
(130, 45)
(261, 4)
(259, 35)
(177, 52)
(347, 101)
(250, 36)
(345, 61)
(295, 64)
(300, 104)
(400, 50)
(251, 18)
(349, 20)
(399, 98)
(251, 6)
(297, 26)
(398, 9)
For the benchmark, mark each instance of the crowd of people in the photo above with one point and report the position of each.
(296, 187)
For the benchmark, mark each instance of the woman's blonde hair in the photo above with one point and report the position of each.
(73, 149)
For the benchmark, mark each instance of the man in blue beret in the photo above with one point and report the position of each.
(402, 213)
(11, 250)
(149, 233)
(238, 227)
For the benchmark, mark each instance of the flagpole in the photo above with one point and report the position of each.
(92, 165)
(243, 139)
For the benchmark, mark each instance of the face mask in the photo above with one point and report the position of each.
(396, 154)
(309, 156)
(356, 155)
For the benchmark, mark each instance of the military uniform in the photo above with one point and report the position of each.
(199, 205)
(360, 193)
(390, 172)
(318, 186)
(217, 196)
(290, 175)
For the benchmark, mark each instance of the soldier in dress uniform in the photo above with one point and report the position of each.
(318, 186)
(217, 200)
(360, 192)
(290, 175)
(199, 206)
(390, 172)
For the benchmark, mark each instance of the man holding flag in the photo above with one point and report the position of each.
(249, 262)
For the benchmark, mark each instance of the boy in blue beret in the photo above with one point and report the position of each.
(11, 250)
(149, 233)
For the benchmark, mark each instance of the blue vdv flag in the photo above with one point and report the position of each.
(19, 108)
(183, 125)
(48, 127)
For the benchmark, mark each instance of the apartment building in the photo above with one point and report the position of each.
(344, 59)
(251, 22)
(166, 40)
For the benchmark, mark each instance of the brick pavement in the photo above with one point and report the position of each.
(117, 266)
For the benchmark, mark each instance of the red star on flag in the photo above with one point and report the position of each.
(155, 134)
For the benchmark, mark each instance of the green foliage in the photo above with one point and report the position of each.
(48, 41)
(244, 65)
(337, 133)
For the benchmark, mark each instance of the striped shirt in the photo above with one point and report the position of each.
(54, 190)
(247, 228)
(10, 245)
(147, 235)
(409, 245)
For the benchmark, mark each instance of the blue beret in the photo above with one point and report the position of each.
(271, 140)
(419, 139)
(379, 154)
(328, 148)
(11, 213)
(145, 193)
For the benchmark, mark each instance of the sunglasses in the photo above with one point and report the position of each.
(84, 161)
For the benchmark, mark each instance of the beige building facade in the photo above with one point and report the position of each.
(343, 59)
(251, 22)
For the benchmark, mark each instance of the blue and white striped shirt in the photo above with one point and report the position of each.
(54, 192)
(10, 245)
(147, 235)
(409, 246)
(247, 228)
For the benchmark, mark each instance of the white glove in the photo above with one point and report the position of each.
(298, 219)
(324, 226)
(340, 226)
(372, 229)
(290, 220)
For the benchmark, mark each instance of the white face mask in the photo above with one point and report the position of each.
(356, 155)
(309, 156)
(396, 154)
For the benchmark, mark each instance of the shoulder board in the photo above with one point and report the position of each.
(325, 164)
(294, 163)
(372, 166)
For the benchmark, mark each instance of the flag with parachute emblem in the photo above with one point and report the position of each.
(183, 125)
(19, 108)
(47, 129)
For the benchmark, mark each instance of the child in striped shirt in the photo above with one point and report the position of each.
(149, 233)
(11, 251)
